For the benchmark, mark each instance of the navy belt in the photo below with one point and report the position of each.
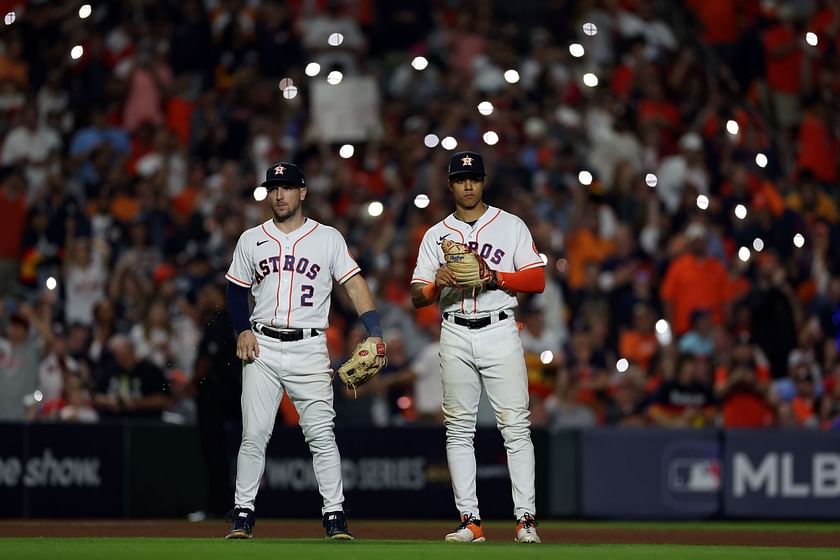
(479, 323)
(285, 335)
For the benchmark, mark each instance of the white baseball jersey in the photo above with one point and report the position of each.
(501, 238)
(291, 275)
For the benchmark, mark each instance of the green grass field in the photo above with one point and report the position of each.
(264, 548)
(274, 549)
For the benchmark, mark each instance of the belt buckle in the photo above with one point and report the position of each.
(290, 335)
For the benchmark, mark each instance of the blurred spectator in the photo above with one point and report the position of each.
(587, 368)
(638, 344)
(783, 49)
(625, 406)
(694, 281)
(687, 400)
(801, 411)
(741, 388)
(619, 273)
(772, 309)
(428, 388)
(98, 148)
(34, 146)
(801, 367)
(14, 70)
(56, 366)
(644, 21)
(562, 407)
(86, 277)
(74, 404)
(682, 169)
(699, 340)
(104, 327)
(818, 147)
(536, 339)
(27, 333)
(148, 86)
(155, 339)
(131, 386)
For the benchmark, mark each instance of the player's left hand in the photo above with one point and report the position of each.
(380, 358)
(367, 359)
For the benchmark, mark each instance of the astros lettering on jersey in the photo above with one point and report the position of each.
(501, 238)
(296, 268)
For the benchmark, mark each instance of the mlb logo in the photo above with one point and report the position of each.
(686, 475)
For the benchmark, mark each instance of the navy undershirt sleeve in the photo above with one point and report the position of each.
(237, 303)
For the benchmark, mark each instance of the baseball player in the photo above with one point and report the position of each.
(479, 341)
(289, 263)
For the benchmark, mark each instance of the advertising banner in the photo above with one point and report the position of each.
(782, 474)
(399, 472)
(72, 470)
(561, 468)
(650, 474)
(165, 474)
(12, 468)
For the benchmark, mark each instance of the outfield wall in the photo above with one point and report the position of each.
(134, 470)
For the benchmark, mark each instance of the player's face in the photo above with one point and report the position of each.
(467, 189)
(285, 201)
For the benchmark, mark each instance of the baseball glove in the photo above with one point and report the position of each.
(470, 270)
(363, 364)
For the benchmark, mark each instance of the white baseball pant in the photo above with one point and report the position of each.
(491, 357)
(302, 369)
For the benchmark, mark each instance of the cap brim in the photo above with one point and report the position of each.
(455, 173)
(274, 182)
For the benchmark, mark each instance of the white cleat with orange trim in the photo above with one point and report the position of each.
(526, 531)
(468, 531)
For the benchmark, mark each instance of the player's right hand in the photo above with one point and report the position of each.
(247, 347)
(445, 277)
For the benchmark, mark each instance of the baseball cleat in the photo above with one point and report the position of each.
(526, 531)
(468, 531)
(242, 524)
(335, 525)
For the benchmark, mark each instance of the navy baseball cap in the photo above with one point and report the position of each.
(284, 173)
(464, 163)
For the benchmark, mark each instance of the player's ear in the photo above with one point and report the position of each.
(303, 192)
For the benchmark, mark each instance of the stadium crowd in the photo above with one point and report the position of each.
(677, 165)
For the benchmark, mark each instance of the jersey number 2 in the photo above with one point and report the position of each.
(306, 292)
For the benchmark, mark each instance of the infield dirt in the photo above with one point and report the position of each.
(421, 530)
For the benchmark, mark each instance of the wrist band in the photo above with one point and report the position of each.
(370, 319)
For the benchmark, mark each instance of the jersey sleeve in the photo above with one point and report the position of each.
(241, 271)
(525, 255)
(427, 261)
(343, 265)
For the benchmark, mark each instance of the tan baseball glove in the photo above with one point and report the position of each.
(470, 270)
(367, 359)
